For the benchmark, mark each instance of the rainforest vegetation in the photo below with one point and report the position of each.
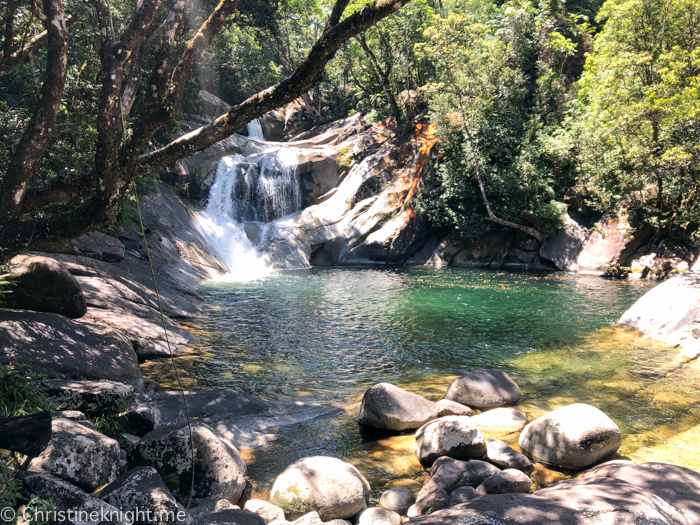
(541, 104)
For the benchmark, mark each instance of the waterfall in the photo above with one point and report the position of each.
(258, 188)
(255, 130)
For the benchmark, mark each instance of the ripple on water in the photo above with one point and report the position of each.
(328, 333)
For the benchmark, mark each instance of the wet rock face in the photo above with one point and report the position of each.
(484, 389)
(572, 437)
(453, 436)
(44, 285)
(142, 490)
(67, 497)
(218, 466)
(87, 396)
(329, 486)
(78, 455)
(392, 408)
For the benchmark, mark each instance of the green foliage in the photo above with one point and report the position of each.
(636, 115)
(21, 393)
(9, 485)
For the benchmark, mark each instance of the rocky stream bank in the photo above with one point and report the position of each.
(87, 317)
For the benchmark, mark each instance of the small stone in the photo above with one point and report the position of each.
(484, 389)
(500, 420)
(453, 436)
(377, 516)
(462, 495)
(399, 500)
(447, 407)
(503, 456)
(509, 481)
(433, 502)
(312, 518)
(267, 511)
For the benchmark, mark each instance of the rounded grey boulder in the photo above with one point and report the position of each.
(463, 495)
(219, 468)
(453, 436)
(484, 389)
(510, 481)
(78, 455)
(327, 485)
(433, 502)
(398, 499)
(265, 510)
(572, 437)
(390, 407)
(377, 516)
(44, 285)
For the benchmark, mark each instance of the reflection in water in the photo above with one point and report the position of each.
(327, 334)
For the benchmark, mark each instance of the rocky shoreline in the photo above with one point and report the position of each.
(86, 319)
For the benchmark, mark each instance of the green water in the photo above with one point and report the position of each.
(327, 334)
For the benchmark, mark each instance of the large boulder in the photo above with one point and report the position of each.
(500, 420)
(99, 246)
(329, 486)
(563, 249)
(78, 455)
(503, 456)
(141, 492)
(61, 348)
(572, 502)
(69, 498)
(88, 396)
(605, 245)
(390, 407)
(572, 437)
(43, 285)
(218, 466)
(453, 436)
(509, 481)
(484, 389)
(677, 485)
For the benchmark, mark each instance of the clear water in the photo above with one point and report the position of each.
(327, 334)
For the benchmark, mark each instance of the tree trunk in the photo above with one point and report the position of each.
(30, 152)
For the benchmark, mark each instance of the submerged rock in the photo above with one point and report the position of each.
(509, 481)
(43, 285)
(78, 455)
(453, 436)
(500, 420)
(398, 499)
(218, 466)
(484, 389)
(572, 437)
(327, 485)
(390, 407)
(142, 490)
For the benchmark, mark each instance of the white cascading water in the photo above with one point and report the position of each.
(261, 187)
(255, 130)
